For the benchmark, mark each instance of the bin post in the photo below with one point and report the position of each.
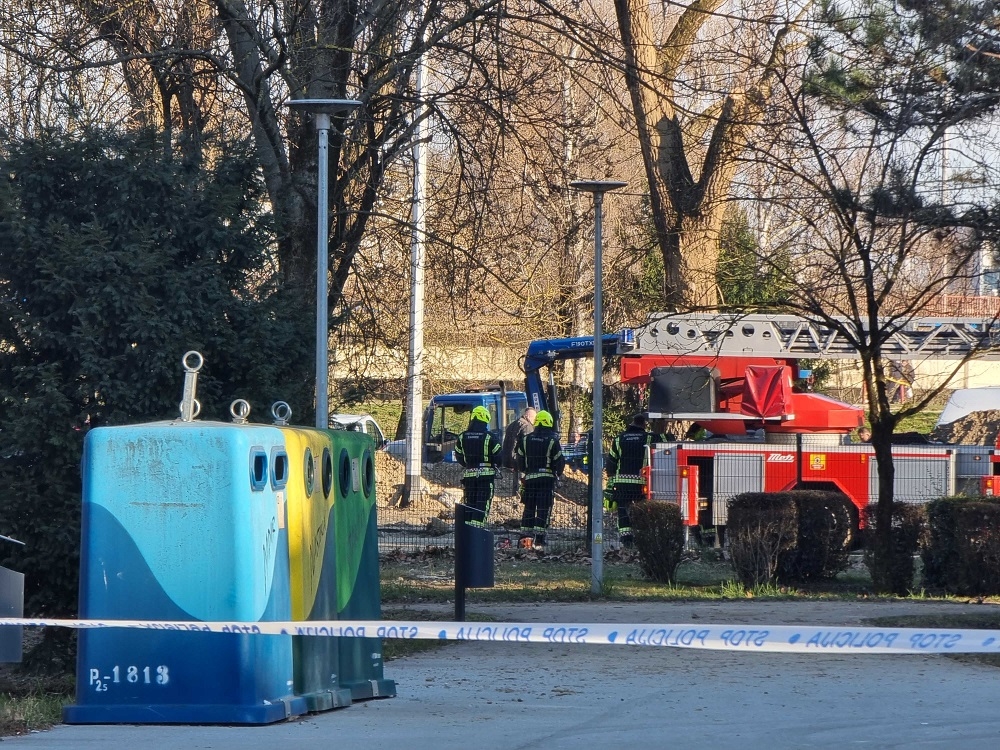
(473, 559)
(459, 567)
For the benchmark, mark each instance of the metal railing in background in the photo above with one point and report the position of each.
(428, 519)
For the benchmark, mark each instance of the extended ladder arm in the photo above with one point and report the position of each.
(792, 337)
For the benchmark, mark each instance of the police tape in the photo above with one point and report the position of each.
(761, 638)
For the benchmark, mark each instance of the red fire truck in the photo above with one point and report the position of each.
(733, 376)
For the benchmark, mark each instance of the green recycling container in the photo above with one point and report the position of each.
(358, 594)
(312, 566)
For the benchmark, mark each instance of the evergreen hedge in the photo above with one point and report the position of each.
(117, 258)
(761, 529)
(658, 530)
(791, 536)
(962, 554)
(909, 529)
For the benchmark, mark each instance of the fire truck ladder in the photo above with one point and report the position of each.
(792, 337)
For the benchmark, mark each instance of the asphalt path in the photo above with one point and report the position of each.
(509, 696)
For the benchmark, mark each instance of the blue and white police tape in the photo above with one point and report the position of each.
(778, 638)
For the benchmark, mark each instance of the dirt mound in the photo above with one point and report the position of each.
(978, 428)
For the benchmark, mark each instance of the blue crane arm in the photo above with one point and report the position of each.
(546, 352)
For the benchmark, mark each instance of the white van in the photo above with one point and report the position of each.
(359, 423)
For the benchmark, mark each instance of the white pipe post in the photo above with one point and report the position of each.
(598, 188)
(415, 367)
(322, 271)
(597, 464)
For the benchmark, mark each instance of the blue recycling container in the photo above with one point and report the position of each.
(359, 595)
(312, 565)
(184, 521)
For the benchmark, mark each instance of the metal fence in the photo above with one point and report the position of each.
(427, 519)
(701, 477)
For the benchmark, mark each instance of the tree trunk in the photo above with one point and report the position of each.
(687, 197)
(882, 546)
(883, 424)
(692, 249)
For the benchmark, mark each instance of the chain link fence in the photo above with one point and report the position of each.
(427, 519)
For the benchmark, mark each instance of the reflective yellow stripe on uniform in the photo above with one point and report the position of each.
(539, 474)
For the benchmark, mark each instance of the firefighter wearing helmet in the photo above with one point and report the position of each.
(625, 461)
(479, 452)
(541, 462)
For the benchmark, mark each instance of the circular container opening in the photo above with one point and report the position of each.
(327, 473)
(344, 473)
(368, 475)
(309, 467)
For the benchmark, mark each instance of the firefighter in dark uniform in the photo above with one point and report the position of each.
(479, 452)
(625, 461)
(541, 463)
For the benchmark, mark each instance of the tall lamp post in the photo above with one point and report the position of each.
(598, 188)
(322, 110)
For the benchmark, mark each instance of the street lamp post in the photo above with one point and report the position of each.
(598, 188)
(322, 109)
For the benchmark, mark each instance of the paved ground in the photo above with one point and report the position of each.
(513, 696)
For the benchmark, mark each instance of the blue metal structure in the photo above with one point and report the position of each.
(546, 352)
(447, 416)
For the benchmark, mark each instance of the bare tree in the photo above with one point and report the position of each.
(859, 166)
(698, 82)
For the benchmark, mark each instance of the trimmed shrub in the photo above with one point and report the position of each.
(781, 537)
(908, 528)
(977, 541)
(961, 555)
(658, 530)
(827, 523)
(762, 530)
(942, 570)
(977, 532)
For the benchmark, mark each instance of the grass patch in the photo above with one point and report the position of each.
(31, 702)
(527, 577)
(922, 422)
(26, 713)
(984, 621)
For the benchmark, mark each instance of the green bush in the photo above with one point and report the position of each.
(762, 530)
(116, 260)
(909, 523)
(962, 554)
(977, 532)
(790, 536)
(942, 570)
(658, 530)
(826, 528)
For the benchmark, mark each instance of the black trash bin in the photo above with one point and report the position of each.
(473, 558)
